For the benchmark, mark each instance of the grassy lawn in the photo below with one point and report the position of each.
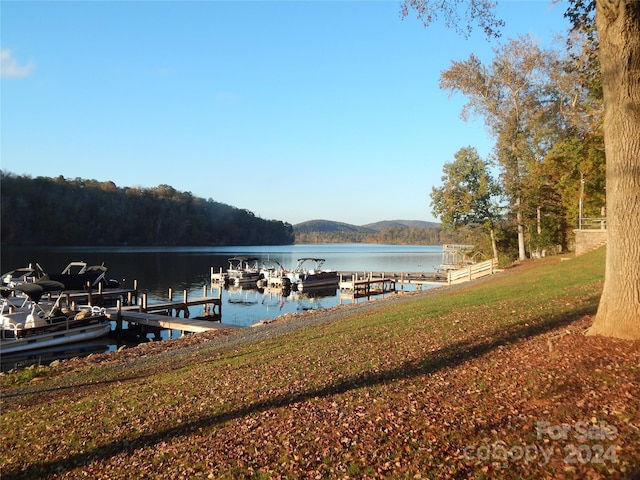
(493, 380)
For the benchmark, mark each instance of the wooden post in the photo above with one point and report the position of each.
(118, 317)
(135, 290)
(170, 293)
(143, 305)
(186, 306)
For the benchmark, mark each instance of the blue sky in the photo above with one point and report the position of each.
(294, 110)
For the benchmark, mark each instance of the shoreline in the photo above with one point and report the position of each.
(223, 340)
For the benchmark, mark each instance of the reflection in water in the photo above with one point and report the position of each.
(44, 356)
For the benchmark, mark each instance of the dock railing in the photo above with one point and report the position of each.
(473, 271)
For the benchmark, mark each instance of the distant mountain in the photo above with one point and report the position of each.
(384, 224)
(410, 232)
(331, 226)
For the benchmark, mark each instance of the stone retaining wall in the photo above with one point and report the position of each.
(589, 239)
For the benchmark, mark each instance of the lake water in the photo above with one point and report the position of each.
(189, 268)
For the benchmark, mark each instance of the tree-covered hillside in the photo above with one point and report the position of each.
(394, 232)
(60, 211)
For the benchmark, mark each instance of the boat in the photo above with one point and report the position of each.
(80, 276)
(455, 257)
(273, 274)
(304, 278)
(243, 271)
(27, 324)
(30, 273)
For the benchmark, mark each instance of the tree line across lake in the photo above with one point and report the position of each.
(61, 211)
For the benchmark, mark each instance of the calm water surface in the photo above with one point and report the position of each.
(189, 268)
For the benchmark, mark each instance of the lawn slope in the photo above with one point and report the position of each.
(492, 380)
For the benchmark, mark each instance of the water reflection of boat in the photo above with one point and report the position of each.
(27, 325)
(45, 356)
(274, 298)
(247, 295)
(317, 292)
(313, 298)
(304, 278)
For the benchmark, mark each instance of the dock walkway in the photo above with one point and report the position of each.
(127, 305)
(156, 320)
(160, 315)
(366, 283)
(98, 297)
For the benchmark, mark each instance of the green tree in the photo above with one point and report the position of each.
(510, 94)
(468, 195)
(617, 25)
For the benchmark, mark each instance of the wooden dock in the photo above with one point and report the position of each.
(156, 320)
(160, 315)
(373, 283)
(366, 285)
(128, 305)
(419, 279)
(99, 297)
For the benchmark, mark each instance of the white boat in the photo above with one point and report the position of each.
(243, 271)
(273, 274)
(75, 276)
(28, 274)
(304, 278)
(26, 324)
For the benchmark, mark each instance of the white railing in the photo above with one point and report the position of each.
(470, 272)
(592, 223)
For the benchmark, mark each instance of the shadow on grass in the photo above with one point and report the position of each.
(92, 384)
(451, 355)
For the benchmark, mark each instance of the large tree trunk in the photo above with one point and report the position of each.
(618, 24)
(494, 247)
